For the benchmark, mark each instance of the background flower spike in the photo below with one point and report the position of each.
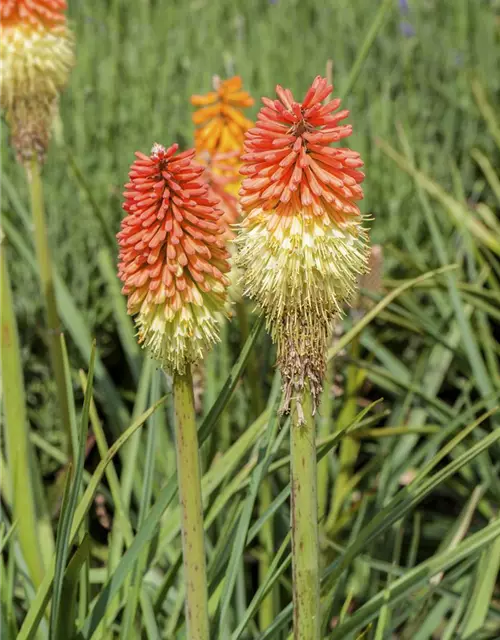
(36, 55)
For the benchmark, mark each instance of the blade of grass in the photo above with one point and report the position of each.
(385, 302)
(366, 45)
(244, 523)
(137, 588)
(86, 188)
(460, 215)
(77, 329)
(416, 577)
(111, 474)
(276, 569)
(46, 275)
(17, 432)
(484, 586)
(486, 110)
(67, 611)
(35, 612)
(63, 540)
(230, 384)
(124, 323)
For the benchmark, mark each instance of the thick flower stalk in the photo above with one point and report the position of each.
(36, 55)
(301, 246)
(172, 257)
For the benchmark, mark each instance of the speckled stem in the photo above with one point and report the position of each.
(189, 479)
(305, 545)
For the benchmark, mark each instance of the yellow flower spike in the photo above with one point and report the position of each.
(221, 125)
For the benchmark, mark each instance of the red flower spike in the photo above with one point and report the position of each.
(172, 256)
(301, 247)
(35, 13)
(289, 164)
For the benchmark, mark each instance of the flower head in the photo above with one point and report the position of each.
(172, 256)
(47, 13)
(301, 246)
(220, 121)
(36, 55)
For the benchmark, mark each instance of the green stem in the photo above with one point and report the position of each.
(305, 545)
(17, 434)
(48, 293)
(189, 480)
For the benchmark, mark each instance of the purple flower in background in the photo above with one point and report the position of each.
(406, 29)
(403, 7)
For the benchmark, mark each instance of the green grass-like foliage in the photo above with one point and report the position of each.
(409, 427)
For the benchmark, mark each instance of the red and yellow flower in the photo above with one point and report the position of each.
(173, 259)
(301, 246)
(36, 55)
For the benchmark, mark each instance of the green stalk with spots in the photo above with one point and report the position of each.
(189, 481)
(305, 543)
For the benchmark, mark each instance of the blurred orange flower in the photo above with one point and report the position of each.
(220, 121)
(224, 179)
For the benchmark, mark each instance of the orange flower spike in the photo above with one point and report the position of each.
(36, 55)
(302, 246)
(172, 256)
(221, 124)
(48, 13)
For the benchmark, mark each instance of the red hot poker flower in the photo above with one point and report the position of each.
(33, 12)
(172, 256)
(301, 247)
(36, 55)
(289, 160)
